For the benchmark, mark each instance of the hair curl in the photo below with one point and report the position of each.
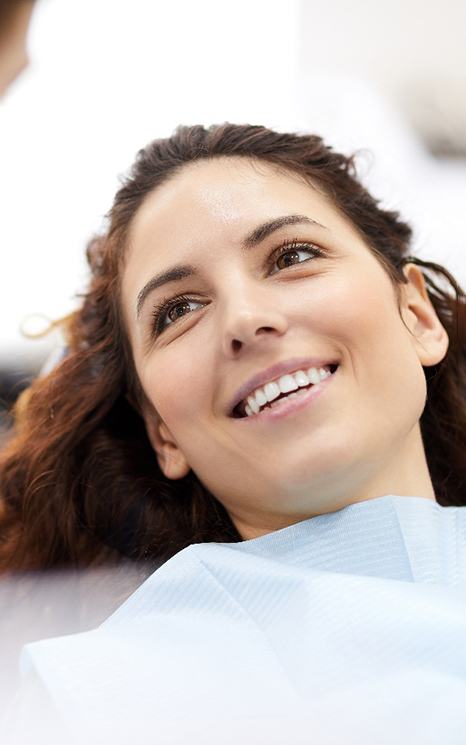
(80, 483)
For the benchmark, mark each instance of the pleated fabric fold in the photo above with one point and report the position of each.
(347, 627)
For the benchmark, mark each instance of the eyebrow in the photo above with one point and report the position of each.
(259, 234)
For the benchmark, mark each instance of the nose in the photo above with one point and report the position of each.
(252, 317)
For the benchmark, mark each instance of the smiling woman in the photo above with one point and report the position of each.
(240, 266)
(260, 372)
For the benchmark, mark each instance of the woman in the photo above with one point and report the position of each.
(257, 363)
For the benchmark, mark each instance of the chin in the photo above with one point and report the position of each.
(311, 477)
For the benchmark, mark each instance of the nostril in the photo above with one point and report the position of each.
(264, 329)
(236, 345)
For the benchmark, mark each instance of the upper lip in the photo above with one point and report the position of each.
(275, 371)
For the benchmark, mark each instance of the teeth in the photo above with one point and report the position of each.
(261, 398)
(271, 391)
(313, 375)
(301, 378)
(286, 384)
(253, 404)
(299, 392)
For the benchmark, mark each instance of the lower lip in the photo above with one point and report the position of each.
(289, 406)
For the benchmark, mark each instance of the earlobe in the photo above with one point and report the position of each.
(170, 458)
(430, 338)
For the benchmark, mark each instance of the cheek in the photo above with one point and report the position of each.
(348, 308)
(176, 385)
(359, 311)
(360, 308)
(382, 353)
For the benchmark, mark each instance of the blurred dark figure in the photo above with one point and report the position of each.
(15, 16)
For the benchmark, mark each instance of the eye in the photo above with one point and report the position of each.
(292, 253)
(169, 312)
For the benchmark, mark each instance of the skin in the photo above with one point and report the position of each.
(13, 51)
(360, 439)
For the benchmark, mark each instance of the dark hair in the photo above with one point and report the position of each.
(79, 479)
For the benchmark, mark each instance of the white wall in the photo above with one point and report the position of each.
(375, 76)
(395, 43)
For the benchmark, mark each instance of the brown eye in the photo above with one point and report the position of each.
(170, 311)
(178, 310)
(288, 259)
(294, 253)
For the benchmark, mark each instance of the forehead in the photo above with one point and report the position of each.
(208, 207)
(218, 199)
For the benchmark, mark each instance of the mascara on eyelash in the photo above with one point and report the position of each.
(164, 307)
(294, 245)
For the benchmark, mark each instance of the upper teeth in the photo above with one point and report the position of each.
(287, 383)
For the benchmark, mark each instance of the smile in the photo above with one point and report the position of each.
(292, 387)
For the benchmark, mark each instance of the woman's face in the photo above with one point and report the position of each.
(274, 280)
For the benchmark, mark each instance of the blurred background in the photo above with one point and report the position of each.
(387, 79)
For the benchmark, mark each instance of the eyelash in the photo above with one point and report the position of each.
(162, 309)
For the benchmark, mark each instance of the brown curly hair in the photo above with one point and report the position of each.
(80, 483)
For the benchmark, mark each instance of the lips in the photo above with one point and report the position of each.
(236, 408)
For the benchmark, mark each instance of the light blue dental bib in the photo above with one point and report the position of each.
(346, 628)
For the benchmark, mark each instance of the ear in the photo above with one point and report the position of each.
(169, 456)
(429, 336)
